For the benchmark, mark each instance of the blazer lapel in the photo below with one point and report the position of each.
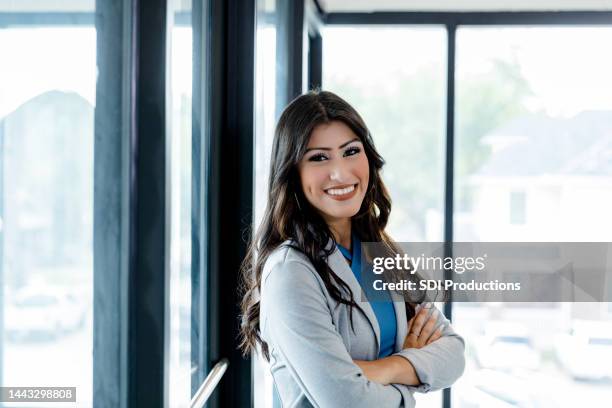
(401, 318)
(341, 268)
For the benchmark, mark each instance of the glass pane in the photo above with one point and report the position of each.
(179, 116)
(47, 97)
(533, 153)
(396, 79)
(265, 120)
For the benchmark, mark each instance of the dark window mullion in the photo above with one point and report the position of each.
(229, 188)
(289, 52)
(112, 147)
(449, 173)
(315, 63)
(199, 330)
(149, 255)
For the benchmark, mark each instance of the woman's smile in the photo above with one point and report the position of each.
(341, 193)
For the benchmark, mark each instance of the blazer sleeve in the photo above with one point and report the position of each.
(297, 324)
(439, 364)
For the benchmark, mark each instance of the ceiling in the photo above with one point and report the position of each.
(365, 6)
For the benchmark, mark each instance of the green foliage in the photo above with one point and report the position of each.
(485, 102)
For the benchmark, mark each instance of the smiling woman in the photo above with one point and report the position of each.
(335, 179)
(303, 303)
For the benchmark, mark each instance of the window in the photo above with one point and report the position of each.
(47, 102)
(265, 121)
(179, 119)
(534, 119)
(517, 207)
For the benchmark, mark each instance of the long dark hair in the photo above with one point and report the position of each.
(289, 216)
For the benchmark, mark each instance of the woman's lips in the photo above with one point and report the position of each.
(343, 197)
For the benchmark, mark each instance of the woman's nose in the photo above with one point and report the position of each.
(338, 172)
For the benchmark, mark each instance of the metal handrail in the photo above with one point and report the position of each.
(209, 384)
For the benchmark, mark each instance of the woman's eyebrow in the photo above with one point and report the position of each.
(329, 148)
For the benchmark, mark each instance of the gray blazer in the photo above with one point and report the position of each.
(312, 345)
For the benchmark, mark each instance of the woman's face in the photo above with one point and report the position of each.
(334, 172)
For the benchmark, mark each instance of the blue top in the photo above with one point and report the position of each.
(384, 310)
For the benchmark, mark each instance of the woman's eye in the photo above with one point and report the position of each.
(317, 157)
(352, 151)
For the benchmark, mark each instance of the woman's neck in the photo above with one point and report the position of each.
(342, 232)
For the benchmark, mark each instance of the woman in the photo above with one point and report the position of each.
(302, 304)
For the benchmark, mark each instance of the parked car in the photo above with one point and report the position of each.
(586, 351)
(506, 346)
(43, 314)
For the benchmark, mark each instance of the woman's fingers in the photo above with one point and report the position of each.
(419, 321)
(428, 328)
(435, 336)
(421, 328)
(410, 341)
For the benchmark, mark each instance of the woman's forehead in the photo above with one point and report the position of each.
(331, 135)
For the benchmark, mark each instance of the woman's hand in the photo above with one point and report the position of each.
(421, 329)
(397, 369)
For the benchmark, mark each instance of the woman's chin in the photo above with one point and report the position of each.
(331, 216)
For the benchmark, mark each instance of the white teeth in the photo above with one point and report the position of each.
(340, 191)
